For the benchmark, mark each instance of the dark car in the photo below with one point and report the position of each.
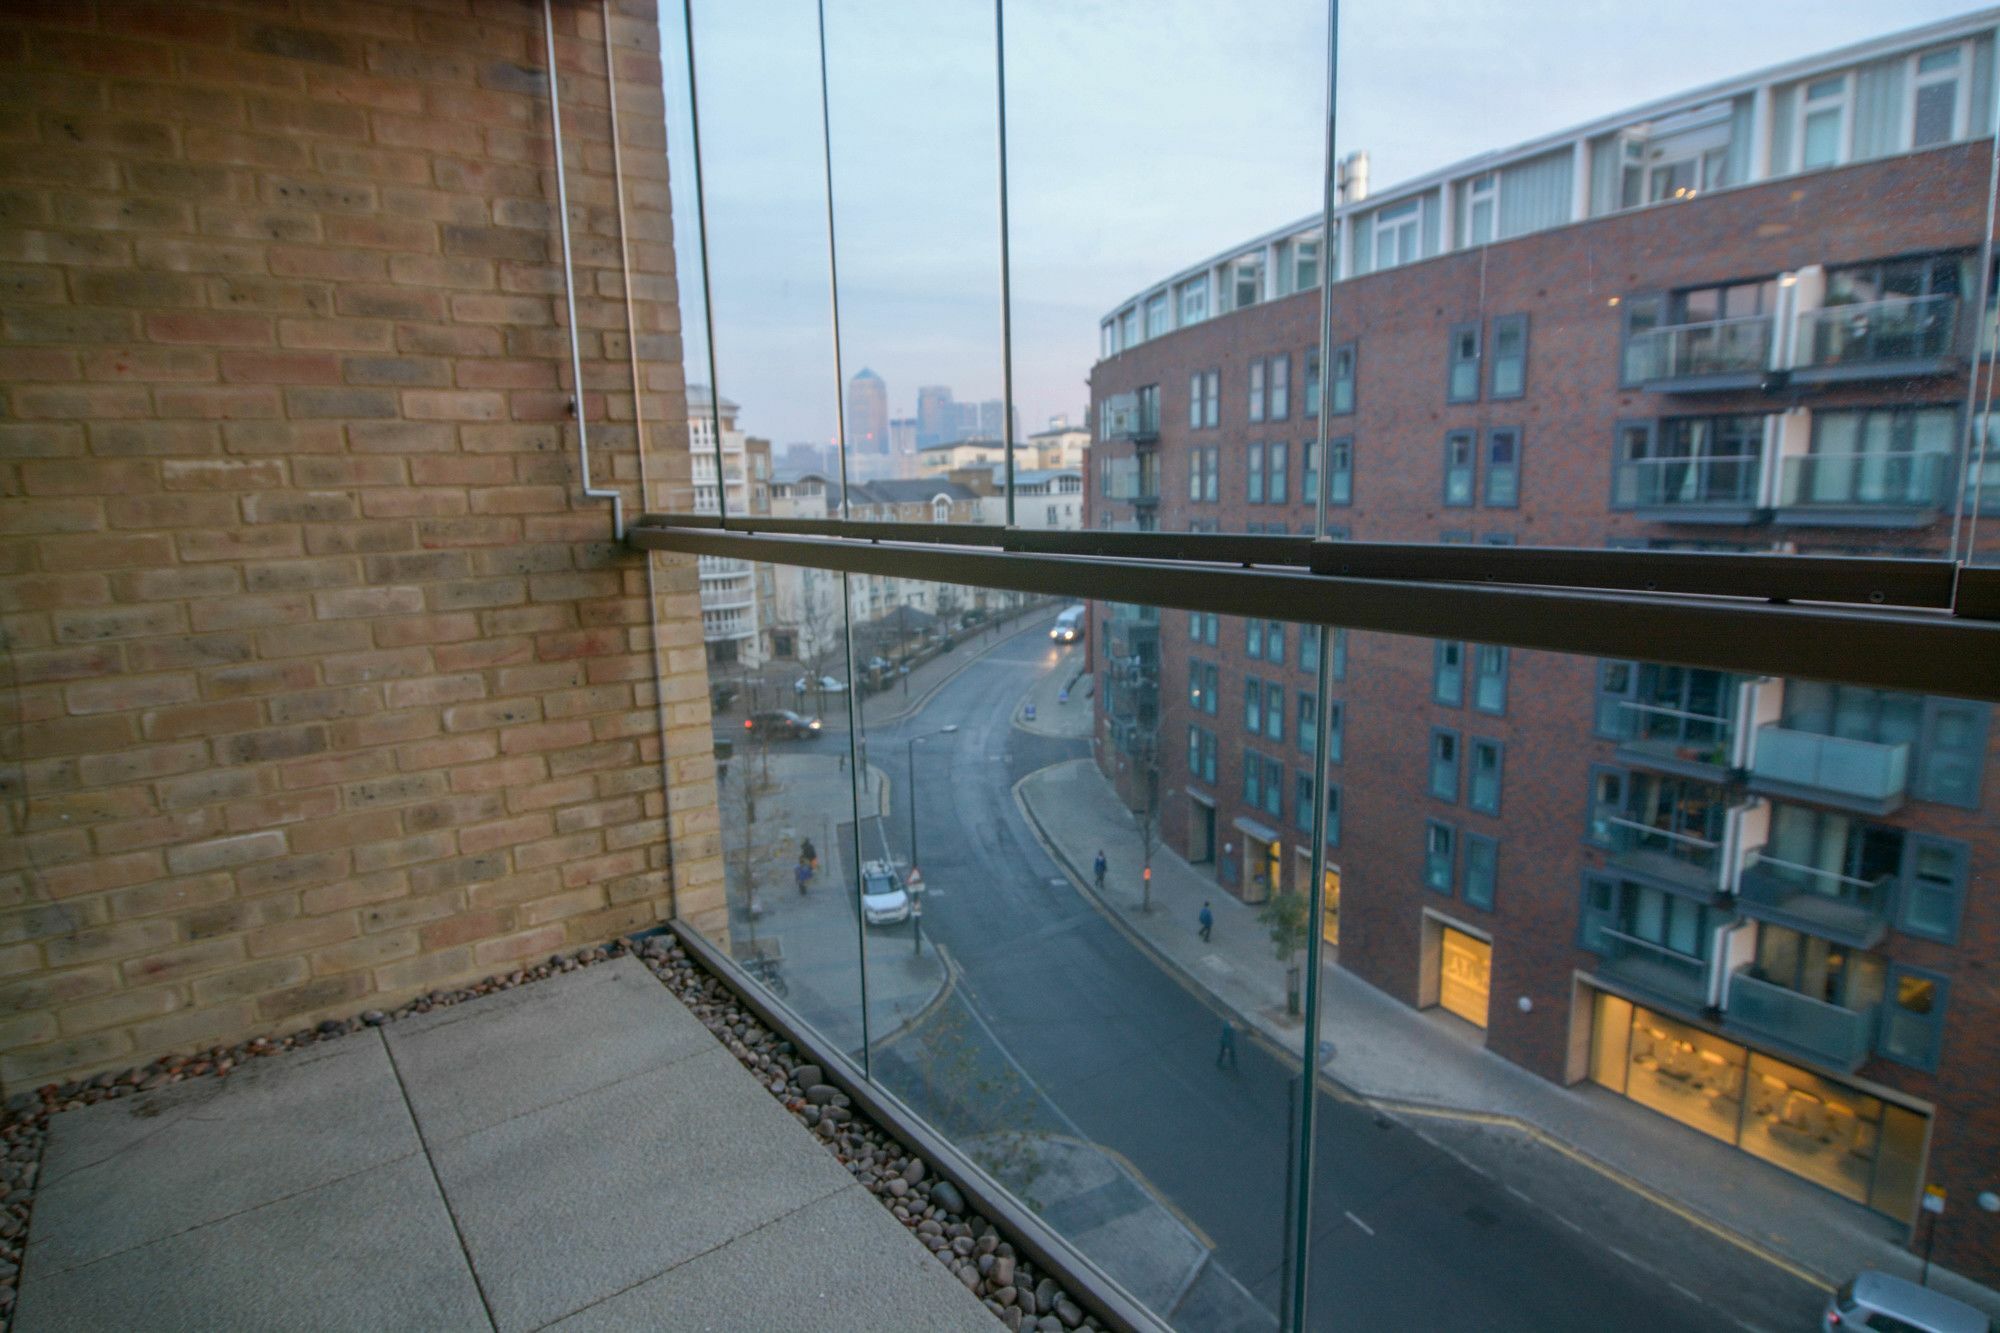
(782, 724)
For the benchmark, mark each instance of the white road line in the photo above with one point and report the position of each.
(1363, 1225)
(1522, 1195)
(1694, 1296)
(1573, 1226)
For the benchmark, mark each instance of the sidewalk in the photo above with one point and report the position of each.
(1420, 1064)
(1067, 718)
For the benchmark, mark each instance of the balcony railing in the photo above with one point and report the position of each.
(1131, 416)
(1676, 739)
(1816, 900)
(1882, 337)
(1684, 859)
(1654, 969)
(1863, 487)
(1708, 489)
(1861, 775)
(1697, 356)
(1827, 1033)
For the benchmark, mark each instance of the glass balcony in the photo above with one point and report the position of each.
(1683, 861)
(1902, 489)
(1131, 483)
(1714, 354)
(1132, 416)
(1676, 740)
(1822, 1032)
(1815, 900)
(1833, 770)
(1897, 337)
(1654, 970)
(1690, 490)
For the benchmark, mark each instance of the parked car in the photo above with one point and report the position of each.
(825, 684)
(1875, 1300)
(782, 724)
(884, 900)
(879, 663)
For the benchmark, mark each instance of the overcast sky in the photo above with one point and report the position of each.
(1143, 136)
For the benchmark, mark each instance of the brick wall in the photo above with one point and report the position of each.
(325, 686)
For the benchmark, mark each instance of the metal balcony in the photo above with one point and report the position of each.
(1854, 912)
(1679, 862)
(1654, 970)
(1705, 357)
(1896, 338)
(1674, 740)
(1798, 1024)
(1131, 416)
(1877, 490)
(1832, 770)
(1690, 490)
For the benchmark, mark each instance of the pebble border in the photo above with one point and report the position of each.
(967, 1244)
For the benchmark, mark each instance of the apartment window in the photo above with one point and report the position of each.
(1280, 381)
(1460, 467)
(1448, 672)
(1253, 778)
(1510, 356)
(1246, 283)
(1823, 111)
(1253, 639)
(1302, 798)
(1107, 339)
(1691, 461)
(1201, 754)
(1203, 626)
(1253, 705)
(1497, 539)
(1336, 730)
(1607, 802)
(1482, 871)
(1204, 398)
(1396, 230)
(1332, 814)
(1194, 301)
(1440, 863)
(1462, 383)
(1312, 383)
(1256, 391)
(1194, 400)
(1203, 690)
(1309, 652)
(1128, 328)
(1444, 764)
(1156, 314)
(1305, 264)
(1913, 1016)
(1933, 887)
(1482, 792)
(1278, 485)
(1875, 456)
(1340, 471)
(1253, 475)
(1937, 98)
(1274, 789)
(1666, 920)
(1274, 711)
(1308, 729)
(1204, 474)
(1342, 387)
(1951, 753)
(1274, 638)
(1503, 467)
(1489, 677)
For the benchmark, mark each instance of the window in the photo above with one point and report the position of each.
(1462, 381)
(1253, 779)
(1201, 742)
(1822, 135)
(1448, 672)
(1396, 230)
(1503, 467)
(1274, 711)
(1637, 911)
(1253, 705)
(1510, 356)
(1482, 793)
(1312, 383)
(1308, 729)
(1482, 870)
(1936, 98)
(1340, 471)
(1194, 301)
(1951, 753)
(1332, 814)
(1253, 476)
(1212, 629)
(1194, 400)
(1689, 461)
(1204, 474)
(1305, 264)
(1274, 642)
(1203, 626)
(1203, 691)
(1204, 394)
(1253, 639)
(1336, 730)
(1489, 677)
(1482, 208)
(1877, 456)
(1444, 764)
(1933, 887)
(1128, 328)
(1459, 469)
(1246, 281)
(1440, 842)
(1302, 798)
(1913, 1016)
(1278, 487)
(1280, 387)
(1342, 387)
(1607, 802)
(1274, 789)
(1256, 391)
(1156, 314)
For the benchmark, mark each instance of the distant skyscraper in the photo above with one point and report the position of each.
(867, 413)
(936, 421)
(964, 421)
(989, 421)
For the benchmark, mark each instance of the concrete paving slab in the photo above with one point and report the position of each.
(125, 1173)
(839, 1262)
(372, 1251)
(633, 1179)
(476, 1064)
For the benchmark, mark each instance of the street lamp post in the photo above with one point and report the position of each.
(911, 751)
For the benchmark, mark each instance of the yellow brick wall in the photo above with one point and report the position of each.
(322, 684)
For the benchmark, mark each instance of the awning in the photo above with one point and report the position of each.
(1250, 827)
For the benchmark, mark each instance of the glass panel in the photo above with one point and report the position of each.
(1692, 1076)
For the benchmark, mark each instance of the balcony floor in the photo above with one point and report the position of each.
(577, 1150)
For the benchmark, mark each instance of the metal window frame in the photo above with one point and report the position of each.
(1896, 971)
(1450, 889)
(1467, 841)
(1499, 748)
(1492, 360)
(1457, 765)
(1488, 468)
(1914, 842)
(1477, 361)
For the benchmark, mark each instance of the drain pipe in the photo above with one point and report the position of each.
(569, 294)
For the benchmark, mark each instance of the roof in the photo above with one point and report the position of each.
(920, 490)
(979, 441)
(1059, 430)
(698, 397)
(1035, 476)
(866, 374)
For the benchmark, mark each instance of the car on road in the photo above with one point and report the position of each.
(1875, 1300)
(824, 684)
(884, 900)
(782, 724)
(1069, 626)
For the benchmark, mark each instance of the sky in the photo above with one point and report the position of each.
(1143, 136)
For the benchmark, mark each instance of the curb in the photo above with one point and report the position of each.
(931, 1006)
(1399, 1108)
(917, 703)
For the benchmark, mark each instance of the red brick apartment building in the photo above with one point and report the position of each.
(1740, 319)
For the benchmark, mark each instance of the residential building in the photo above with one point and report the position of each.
(936, 460)
(1737, 319)
(804, 621)
(728, 586)
(1060, 446)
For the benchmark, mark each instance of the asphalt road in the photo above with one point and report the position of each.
(1405, 1235)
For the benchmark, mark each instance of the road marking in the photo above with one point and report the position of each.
(1363, 1225)
(1521, 1194)
(1693, 1296)
(1573, 1226)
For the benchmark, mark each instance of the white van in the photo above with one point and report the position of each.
(1876, 1300)
(1069, 625)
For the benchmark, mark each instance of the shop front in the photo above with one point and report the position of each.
(1329, 920)
(1852, 1142)
(1465, 975)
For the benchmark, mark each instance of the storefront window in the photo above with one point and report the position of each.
(1465, 976)
(1685, 1073)
(1812, 1127)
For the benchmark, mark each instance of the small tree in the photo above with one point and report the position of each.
(1286, 915)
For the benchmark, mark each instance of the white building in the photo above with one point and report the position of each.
(805, 622)
(728, 586)
(1046, 498)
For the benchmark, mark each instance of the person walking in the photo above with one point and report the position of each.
(1207, 922)
(803, 874)
(1099, 866)
(809, 853)
(1226, 1053)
